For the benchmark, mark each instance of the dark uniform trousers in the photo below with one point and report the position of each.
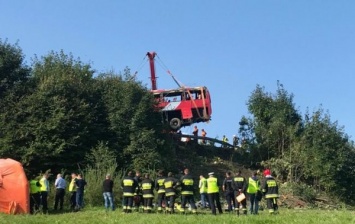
(35, 200)
(213, 199)
(59, 198)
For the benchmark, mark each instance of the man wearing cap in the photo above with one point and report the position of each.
(213, 193)
(271, 191)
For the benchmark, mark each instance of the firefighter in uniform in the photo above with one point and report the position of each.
(35, 196)
(187, 191)
(270, 190)
(148, 194)
(170, 184)
(159, 187)
(129, 186)
(228, 189)
(213, 193)
(138, 196)
(240, 185)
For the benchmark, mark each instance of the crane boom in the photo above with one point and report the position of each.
(153, 78)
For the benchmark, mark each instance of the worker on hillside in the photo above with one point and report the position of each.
(213, 193)
(225, 139)
(72, 190)
(44, 192)
(129, 185)
(35, 196)
(202, 185)
(235, 141)
(270, 190)
(240, 187)
(107, 187)
(195, 133)
(60, 185)
(203, 134)
(187, 191)
(228, 189)
(159, 187)
(170, 184)
(138, 196)
(80, 184)
(254, 192)
(148, 194)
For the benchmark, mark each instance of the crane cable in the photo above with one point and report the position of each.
(141, 65)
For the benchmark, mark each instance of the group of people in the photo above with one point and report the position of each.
(236, 189)
(140, 190)
(39, 190)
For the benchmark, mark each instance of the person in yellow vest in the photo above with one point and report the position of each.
(35, 196)
(254, 192)
(44, 190)
(213, 193)
(202, 185)
(72, 190)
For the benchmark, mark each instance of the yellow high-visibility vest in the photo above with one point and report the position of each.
(72, 187)
(44, 184)
(33, 187)
(253, 186)
(212, 185)
(203, 184)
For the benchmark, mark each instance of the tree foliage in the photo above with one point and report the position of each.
(63, 111)
(310, 149)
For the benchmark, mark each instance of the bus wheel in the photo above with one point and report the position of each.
(175, 123)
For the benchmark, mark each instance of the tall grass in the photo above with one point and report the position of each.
(98, 215)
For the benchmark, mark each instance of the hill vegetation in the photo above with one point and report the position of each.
(60, 114)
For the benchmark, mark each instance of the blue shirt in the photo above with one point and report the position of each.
(60, 183)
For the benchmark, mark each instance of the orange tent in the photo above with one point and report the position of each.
(14, 190)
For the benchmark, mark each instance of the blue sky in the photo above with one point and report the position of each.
(229, 46)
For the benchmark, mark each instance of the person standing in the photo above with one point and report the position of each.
(187, 191)
(195, 133)
(203, 134)
(44, 192)
(35, 196)
(228, 189)
(129, 186)
(235, 141)
(253, 190)
(240, 185)
(270, 189)
(202, 185)
(170, 184)
(60, 185)
(80, 187)
(138, 197)
(148, 194)
(159, 187)
(107, 186)
(72, 190)
(213, 193)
